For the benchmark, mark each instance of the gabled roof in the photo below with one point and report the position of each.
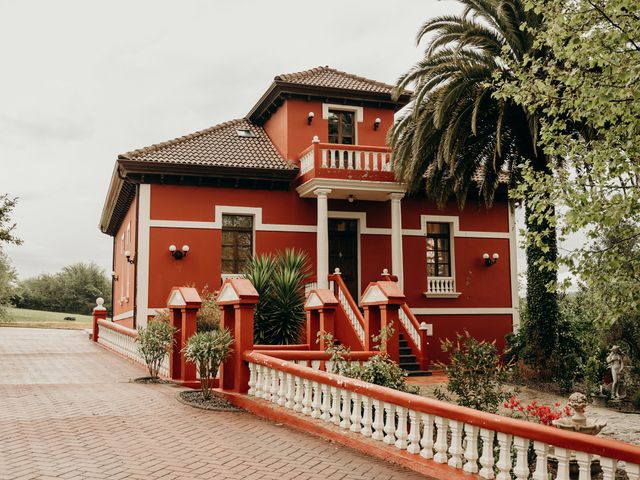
(217, 146)
(332, 78)
(329, 85)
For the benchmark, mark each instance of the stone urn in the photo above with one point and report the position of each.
(579, 421)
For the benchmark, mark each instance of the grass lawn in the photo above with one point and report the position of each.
(20, 317)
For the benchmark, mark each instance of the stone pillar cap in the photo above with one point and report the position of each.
(320, 298)
(237, 291)
(184, 297)
(382, 293)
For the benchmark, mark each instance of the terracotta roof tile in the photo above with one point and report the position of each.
(219, 146)
(332, 78)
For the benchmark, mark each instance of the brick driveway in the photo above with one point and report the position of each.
(68, 410)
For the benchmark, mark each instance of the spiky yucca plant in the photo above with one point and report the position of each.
(279, 280)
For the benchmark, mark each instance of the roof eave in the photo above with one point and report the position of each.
(261, 110)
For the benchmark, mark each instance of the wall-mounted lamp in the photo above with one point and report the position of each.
(376, 123)
(488, 261)
(310, 118)
(178, 254)
(130, 258)
(114, 275)
(351, 198)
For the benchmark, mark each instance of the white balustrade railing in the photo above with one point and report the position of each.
(410, 328)
(307, 161)
(125, 345)
(347, 159)
(351, 314)
(441, 285)
(443, 433)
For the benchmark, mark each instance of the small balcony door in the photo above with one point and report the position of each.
(343, 251)
(342, 127)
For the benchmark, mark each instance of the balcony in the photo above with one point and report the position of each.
(441, 287)
(350, 170)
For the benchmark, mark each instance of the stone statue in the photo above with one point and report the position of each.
(614, 362)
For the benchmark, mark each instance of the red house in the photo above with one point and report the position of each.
(307, 167)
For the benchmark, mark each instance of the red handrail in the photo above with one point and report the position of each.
(312, 355)
(339, 284)
(118, 328)
(294, 347)
(554, 436)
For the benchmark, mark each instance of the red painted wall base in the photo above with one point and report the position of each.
(352, 440)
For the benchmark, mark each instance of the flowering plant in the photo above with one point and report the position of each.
(534, 412)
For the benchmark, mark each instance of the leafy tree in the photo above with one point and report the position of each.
(456, 135)
(586, 91)
(72, 290)
(7, 283)
(7, 204)
(279, 280)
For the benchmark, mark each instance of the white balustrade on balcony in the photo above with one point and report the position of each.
(347, 159)
(441, 285)
(452, 436)
(307, 161)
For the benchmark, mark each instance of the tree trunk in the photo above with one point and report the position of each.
(540, 329)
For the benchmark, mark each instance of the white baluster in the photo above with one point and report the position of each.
(315, 364)
(324, 158)
(401, 431)
(414, 432)
(326, 403)
(504, 457)
(608, 466)
(306, 398)
(356, 413)
(282, 390)
(441, 441)
(471, 452)
(328, 366)
(297, 398)
(335, 406)
(426, 442)
(542, 455)
(259, 380)
(289, 403)
(350, 160)
(345, 412)
(357, 160)
(486, 460)
(389, 423)
(252, 379)
(317, 400)
(335, 159)
(521, 468)
(366, 166)
(455, 450)
(378, 422)
(633, 471)
(273, 397)
(367, 421)
(584, 465)
(375, 161)
(563, 456)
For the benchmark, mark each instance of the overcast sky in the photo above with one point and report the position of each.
(82, 81)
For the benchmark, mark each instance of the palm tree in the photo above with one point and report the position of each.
(461, 140)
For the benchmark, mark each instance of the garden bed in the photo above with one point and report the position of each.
(194, 398)
(152, 381)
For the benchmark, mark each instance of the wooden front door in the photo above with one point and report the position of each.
(343, 251)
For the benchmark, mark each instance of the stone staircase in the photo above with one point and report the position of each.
(408, 360)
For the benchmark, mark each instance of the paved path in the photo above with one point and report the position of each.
(68, 410)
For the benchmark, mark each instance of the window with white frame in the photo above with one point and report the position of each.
(440, 266)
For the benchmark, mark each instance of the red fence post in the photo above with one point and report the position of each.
(321, 307)
(99, 313)
(237, 301)
(424, 358)
(382, 301)
(183, 303)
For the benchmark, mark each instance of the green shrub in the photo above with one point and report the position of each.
(635, 401)
(476, 376)
(279, 280)
(379, 369)
(207, 350)
(208, 317)
(154, 342)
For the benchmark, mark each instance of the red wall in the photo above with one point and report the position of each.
(124, 302)
(288, 128)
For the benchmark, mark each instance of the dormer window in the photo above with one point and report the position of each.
(341, 127)
(245, 132)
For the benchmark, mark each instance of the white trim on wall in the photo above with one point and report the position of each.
(123, 316)
(455, 220)
(513, 267)
(142, 255)
(463, 311)
(359, 111)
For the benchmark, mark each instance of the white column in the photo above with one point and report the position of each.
(322, 248)
(396, 237)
